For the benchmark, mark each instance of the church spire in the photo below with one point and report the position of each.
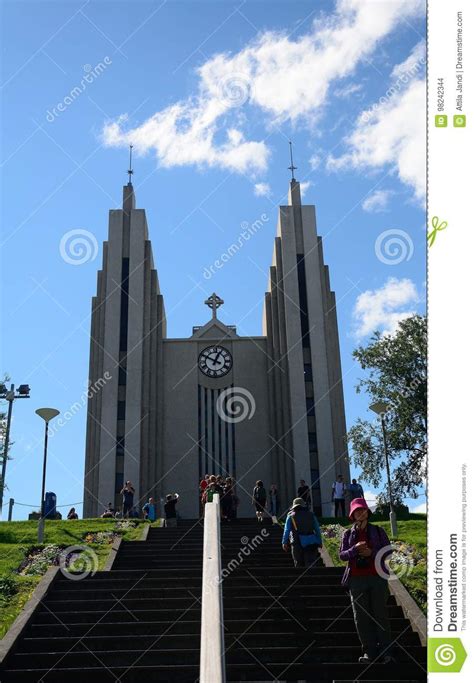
(294, 194)
(130, 169)
(128, 194)
(292, 167)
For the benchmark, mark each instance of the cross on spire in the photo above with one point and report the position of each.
(214, 302)
(292, 168)
(130, 170)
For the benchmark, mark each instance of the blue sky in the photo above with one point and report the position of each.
(209, 93)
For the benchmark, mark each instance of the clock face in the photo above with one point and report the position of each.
(215, 361)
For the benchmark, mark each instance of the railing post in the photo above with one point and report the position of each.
(10, 509)
(212, 664)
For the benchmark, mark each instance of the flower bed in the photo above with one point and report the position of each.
(101, 537)
(39, 559)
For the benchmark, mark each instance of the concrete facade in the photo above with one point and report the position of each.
(270, 407)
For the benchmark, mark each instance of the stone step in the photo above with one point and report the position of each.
(161, 653)
(299, 654)
(325, 673)
(183, 673)
(124, 658)
(189, 674)
(86, 589)
(191, 621)
(105, 628)
(93, 616)
(66, 610)
(114, 603)
(156, 640)
(155, 595)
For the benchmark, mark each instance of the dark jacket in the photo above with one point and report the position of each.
(377, 539)
(306, 523)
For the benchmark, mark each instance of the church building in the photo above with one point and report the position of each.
(267, 407)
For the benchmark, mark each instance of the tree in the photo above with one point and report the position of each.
(396, 368)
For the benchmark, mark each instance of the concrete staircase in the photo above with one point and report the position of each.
(140, 622)
(287, 624)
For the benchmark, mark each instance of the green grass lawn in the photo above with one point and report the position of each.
(412, 533)
(17, 539)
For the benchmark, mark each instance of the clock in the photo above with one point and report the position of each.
(215, 361)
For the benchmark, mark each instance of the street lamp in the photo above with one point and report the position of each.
(9, 395)
(47, 414)
(381, 408)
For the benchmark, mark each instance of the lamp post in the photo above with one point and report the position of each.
(47, 414)
(381, 408)
(9, 395)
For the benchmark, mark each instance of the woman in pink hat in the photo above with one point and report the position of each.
(366, 580)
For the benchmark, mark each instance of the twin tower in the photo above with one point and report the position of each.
(164, 411)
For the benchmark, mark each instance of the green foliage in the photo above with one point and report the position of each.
(396, 368)
(8, 587)
(19, 539)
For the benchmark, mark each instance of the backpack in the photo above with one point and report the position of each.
(260, 494)
(306, 540)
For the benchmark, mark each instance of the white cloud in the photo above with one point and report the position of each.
(348, 90)
(421, 507)
(394, 136)
(315, 161)
(371, 498)
(377, 201)
(273, 65)
(382, 309)
(413, 65)
(262, 190)
(391, 133)
(304, 186)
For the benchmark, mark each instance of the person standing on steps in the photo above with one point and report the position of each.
(274, 500)
(149, 511)
(339, 491)
(212, 488)
(367, 583)
(226, 500)
(203, 484)
(302, 533)
(127, 494)
(356, 490)
(304, 493)
(259, 499)
(170, 509)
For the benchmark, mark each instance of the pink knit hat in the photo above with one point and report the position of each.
(358, 504)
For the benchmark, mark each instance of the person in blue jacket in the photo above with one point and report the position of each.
(302, 534)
